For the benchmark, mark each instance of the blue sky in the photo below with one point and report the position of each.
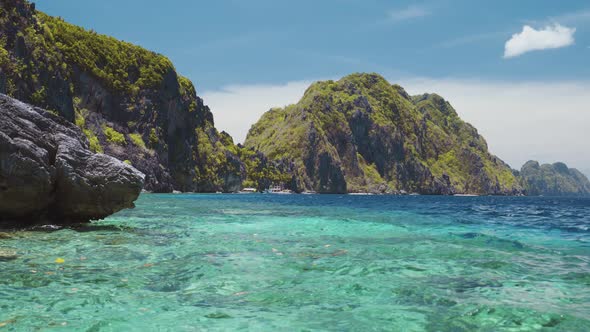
(223, 42)
(529, 97)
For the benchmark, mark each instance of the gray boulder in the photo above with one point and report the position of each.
(48, 173)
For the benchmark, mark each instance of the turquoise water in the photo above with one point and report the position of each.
(306, 263)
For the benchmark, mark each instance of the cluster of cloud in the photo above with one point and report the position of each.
(529, 39)
(545, 121)
(409, 13)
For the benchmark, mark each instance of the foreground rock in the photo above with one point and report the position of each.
(48, 174)
(553, 180)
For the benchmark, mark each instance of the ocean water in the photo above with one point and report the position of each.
(306, 263)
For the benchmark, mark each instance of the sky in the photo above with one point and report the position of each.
(519, 71)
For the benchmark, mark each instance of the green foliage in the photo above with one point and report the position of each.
(80, 118)
(42, 63)
(370, 172)
(188, 92)
(39, 96)
(448, 164)
(128, 162)
(122, 66)
(4, 56)
(261, 173)
(93, 140)
(212, 157)
(113, 136)
(154, 140)
(137, 140)
(279, 134)
(52, 111)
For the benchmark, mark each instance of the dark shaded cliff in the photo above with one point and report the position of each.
(129, 102)
(362, 134)
(553, 180)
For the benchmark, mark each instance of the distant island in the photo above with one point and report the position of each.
(363, 134)
(553, 180)
(360, 134)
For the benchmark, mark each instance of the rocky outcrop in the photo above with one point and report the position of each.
(553, 180)
(362, 134)
(48, 173)
(129, 102)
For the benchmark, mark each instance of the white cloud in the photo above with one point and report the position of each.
(529, 120)
(409, 13)
(550, 37)
(237, 107)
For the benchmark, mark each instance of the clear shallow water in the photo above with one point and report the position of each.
(307, 263)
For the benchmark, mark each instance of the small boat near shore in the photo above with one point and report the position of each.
(248, 191)
(278, 190)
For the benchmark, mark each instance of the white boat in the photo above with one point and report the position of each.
(278, 190)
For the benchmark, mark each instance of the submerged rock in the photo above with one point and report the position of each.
(48, 173)
(7, 254)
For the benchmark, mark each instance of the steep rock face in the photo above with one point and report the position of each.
(362, 134)
(553, 180)
(129, 102)
(48, 173)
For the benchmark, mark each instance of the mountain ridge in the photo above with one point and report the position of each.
(357, 134)
(130, 102)
(555, 179)
(363, 134)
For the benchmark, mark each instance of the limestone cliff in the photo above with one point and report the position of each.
(362, 134)
(129, 102)
(553, 180)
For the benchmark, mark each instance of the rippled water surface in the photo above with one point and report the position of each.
(306, 263)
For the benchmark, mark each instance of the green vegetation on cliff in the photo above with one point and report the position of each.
(122, 66)
(363, 134)
(113, 136)
(31, 68)
(357, 134)
(553, 180)
(128, 101)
